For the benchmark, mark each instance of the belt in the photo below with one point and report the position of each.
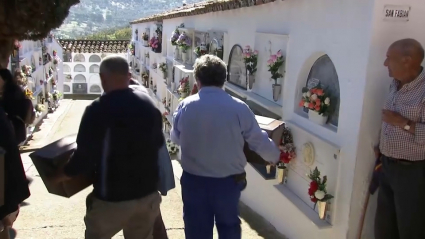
(402, 161)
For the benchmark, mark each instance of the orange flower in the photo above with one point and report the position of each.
(318, 102)
(311, 105)
(301, 103)
(319, 92)
(313, 91)
(317, 107)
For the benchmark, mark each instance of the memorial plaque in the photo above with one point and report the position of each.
(53, 157)
(79, 88)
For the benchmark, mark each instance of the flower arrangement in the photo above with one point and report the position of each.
(164, 117)
(184, 89)
(184, 42)
(56, 95)
(199, 51)
(55, 52)
(155, 44)
(163, 67)
(158, 30)
(26, 70)
(274, 63)
(164, 101)
(317, 190)
(21, 78)
(250, 59)
(174, 37)
(287, 149)
(316, 99)
(145, 36)
(154, 66)
(29, 94)
(40, 108)
(194, 89)
(55, 62)
(171, 147)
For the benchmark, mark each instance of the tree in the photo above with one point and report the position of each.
(29, 20)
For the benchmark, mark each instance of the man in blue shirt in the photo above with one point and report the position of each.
(211, 127)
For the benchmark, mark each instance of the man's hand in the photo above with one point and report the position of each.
(394, 118)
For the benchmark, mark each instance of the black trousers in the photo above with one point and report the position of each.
(401, 200)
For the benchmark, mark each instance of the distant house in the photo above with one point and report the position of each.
(82, 60)
(339, 44)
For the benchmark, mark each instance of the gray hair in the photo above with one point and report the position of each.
(210, 70)
(114, 64)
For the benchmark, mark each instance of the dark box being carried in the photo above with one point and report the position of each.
(54, 156)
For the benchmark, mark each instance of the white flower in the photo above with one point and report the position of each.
(306, 104)
(304, 94)
(308, 93)
(319, 194)
(327, 101)
(313, 97)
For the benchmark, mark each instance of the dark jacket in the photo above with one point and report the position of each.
(16, 184)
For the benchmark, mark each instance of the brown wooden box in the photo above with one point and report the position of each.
(274, 129)
(52, 157)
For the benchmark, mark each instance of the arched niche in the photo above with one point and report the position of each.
(95, 89)
(94, 68)
(80, 79)
(79, 58)
(66, 68)
(94, 79)
(323, 71)
(236, 68)
(95, 58)
(66, 88)
(79, 68)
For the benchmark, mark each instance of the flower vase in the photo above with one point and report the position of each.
(185, 57)
(268, 168)
(276, 91)
(322, 207)
(176, 53)
(281, 175)
(145, 43)
(251, 80)
(316, 118)
(164, 75)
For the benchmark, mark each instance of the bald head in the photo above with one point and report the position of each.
(114, 73)
(404, 59)
(411, 48)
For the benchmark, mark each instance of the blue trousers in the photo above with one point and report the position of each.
(206, 199)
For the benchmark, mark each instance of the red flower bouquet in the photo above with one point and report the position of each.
(317, 190)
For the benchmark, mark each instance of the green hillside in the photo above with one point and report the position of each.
(123, 33)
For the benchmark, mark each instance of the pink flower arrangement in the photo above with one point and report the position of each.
(154, 43)
(274, 63)
(250, 59)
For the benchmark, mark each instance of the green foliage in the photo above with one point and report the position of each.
(123, 33)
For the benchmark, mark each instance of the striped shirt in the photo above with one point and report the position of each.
(409, 101)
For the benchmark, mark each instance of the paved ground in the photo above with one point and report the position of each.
(52, 217)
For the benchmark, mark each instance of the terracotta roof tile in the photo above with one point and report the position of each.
(95, 46)
(202, 8)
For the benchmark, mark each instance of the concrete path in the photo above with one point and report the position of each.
(47, 216)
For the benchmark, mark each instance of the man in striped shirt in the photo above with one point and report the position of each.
(401, 199)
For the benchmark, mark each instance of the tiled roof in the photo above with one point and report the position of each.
(202, 8)
(95, 46)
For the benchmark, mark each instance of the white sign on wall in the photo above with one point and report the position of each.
(396, 13)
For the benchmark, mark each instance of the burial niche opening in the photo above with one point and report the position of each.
(79, 68)
(80, 79)
(66, 68)
(323, 71)
(95, 58)
(236, 68)
(94, 68)
(66, 88)
(79, 58)
(95, 89)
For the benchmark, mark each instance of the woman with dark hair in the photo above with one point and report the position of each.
(17, 106)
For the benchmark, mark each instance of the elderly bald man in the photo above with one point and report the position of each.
(119, 139)
(401, 199)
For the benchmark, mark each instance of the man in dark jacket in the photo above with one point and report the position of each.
(119, 138)
(15, 182)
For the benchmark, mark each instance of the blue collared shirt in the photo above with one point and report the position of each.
(211, 128)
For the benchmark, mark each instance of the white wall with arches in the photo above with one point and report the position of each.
(84, 69)
(326, 40)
